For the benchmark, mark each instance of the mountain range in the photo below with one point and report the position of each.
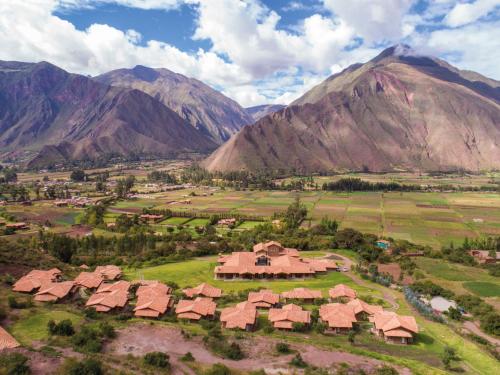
(260, 111)
(399, 111)
(206, 109)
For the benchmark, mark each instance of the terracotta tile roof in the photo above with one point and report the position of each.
(54, 291)
(90, 280)
(263, 298)
(287, 315)
(302, 293)
(153, 299)
(239, 316)
(320, 265)
(34, 280)
(360, 306)
(109, 272)
(204, 290)
(388, 321)
(337, 315)
(195, 309)
(109, 296)
(6, 340)
(341, 290)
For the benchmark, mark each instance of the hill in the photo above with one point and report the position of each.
(399, 111)
(43, 107)
(203, 107)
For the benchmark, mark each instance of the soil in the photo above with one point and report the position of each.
(260, 352)
(39, 363)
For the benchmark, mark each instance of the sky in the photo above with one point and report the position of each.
(254, 51)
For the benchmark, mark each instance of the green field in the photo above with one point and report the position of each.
(483, 289)
(34, 326)
(175, 221)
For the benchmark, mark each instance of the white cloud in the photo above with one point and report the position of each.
(374, 20)
(465, 13)
(140, 4)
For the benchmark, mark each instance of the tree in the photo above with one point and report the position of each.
(351, 337)
(449, 355)
(77, 175)
(295, 214)
(88, 366)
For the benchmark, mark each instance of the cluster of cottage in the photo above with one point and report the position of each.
(154, 299)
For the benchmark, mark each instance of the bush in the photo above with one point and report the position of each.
(63, 328)
(88, 366)
(15, 304)
(157, 359)
(299, 327)
(14, 364)
(386, 370)
(107, 330)
(297, 361)
(283, 348)
(87, 340)
(218, 369)
(188, 357)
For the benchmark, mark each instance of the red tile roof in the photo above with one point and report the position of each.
(6, 340)
(263, 298)
(320, 265)
(204, 290)
(54, 291)
(240, 316)
(153, 300)
(109, 296)
(109, 272)
(302, 293)
(287, 315)
(360, 306)
(90, 280)
(392, 324)
(35, 279)
(337, 315)
(341, 290)
(195, 309)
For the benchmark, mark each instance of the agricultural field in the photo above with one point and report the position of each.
(428, 218)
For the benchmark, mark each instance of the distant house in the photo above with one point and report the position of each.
(61, 203)
(109, 296)
(203, 290)
(285, 317)
(89, 280)
(264, 299)
(363, 310)
(338, 317)
(483, 256)
(227, 222)
(109, 272)
(7, 341)
(321, 265)
(394, 328)
(341, 291)
(35, 279)
(242, 316)
(196, 309)
(150, 218)
(17, 226)
(54, 292)
(153, 300)
(304, 294)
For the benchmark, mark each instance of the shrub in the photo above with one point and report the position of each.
(297, 361)
(88, 366)
(15, 304)
(107, 330)
(283, 348)
(299, 327)
(63, 328)
(14, 364)
(157, 359)
(386, 370)
(87, 340)
(188, 357)
(218, 369)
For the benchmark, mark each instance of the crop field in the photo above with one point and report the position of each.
(428, 218)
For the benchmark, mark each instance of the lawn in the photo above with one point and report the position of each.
(194, 272)
(249, 224)
(32, 326)
(175, 221)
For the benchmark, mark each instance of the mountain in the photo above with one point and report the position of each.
(203, 107)
(260, 111)
(399, 111)
(70, 116)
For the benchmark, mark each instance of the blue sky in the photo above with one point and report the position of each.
(255, 51)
